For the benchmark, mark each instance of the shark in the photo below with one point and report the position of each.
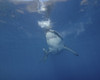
(55, 44)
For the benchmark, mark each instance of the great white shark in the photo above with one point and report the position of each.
(55, 44)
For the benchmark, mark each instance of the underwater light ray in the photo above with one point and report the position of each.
(43, 8)
(36, 5)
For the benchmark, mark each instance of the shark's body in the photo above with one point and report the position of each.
(55, 43)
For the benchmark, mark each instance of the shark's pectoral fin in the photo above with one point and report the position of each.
(72, 51)
(46, 53)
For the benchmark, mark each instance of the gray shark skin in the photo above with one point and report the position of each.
(55, 44)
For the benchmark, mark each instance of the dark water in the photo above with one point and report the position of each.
(22, 40)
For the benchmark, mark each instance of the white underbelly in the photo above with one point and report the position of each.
(54, 42)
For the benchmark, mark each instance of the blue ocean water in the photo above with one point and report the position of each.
(22, 41)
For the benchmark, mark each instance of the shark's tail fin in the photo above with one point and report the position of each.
(72, 51)
(45, 54)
